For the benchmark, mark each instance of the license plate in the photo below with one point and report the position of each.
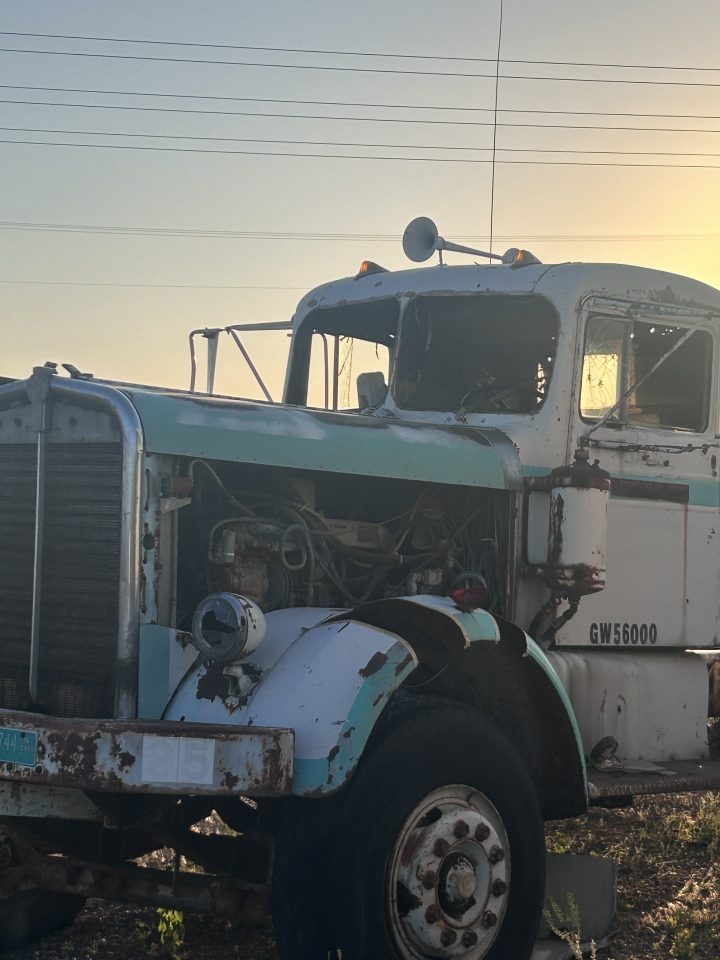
(18, 746)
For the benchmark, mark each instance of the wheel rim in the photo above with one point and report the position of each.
(448, 877)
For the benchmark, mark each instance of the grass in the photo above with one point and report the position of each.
(669, 882)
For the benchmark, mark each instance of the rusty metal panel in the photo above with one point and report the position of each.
(238, 900)
(19, 799)
(156, 757)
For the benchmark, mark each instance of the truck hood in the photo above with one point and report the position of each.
(284, 436)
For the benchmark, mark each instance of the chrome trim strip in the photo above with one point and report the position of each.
(33, 687)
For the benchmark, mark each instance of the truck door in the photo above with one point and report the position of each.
(660, 447)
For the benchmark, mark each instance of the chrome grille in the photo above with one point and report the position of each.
(79, 613)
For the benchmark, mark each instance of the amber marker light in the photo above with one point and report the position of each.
(368, 267)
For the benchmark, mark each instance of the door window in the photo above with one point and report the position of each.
(620, 353)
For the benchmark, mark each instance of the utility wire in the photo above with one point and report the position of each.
(205, 233)
(350, 143)
(332, 103)
(495, 129)
(356, 53)
(158, 286)
(344, 119)
(341, 69)
(348, 156)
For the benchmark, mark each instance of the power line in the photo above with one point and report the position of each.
(303, 143)
(357, 53)
(391, 120)
(158, 286)
(341, 69)
(350, 143)
(332, 103)
(347, 156)
(206, 233)
(495, 129)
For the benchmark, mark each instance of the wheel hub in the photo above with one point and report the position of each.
(449, 877)
(456, 886)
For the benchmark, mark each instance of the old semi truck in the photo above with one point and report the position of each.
(383, 636)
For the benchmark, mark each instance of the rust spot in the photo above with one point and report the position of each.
(272, 768)
(376, 662)
(378, 698)
(349, 732)
(409, 848)
(557, 512)
(125, 760)
(75, 753)
(213, 684)
(400, 668)
(333, 753)
(230, 780)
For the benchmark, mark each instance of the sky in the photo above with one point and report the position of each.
(121, 304)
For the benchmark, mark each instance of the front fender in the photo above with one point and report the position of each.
(432, 624)
(328, 681)
(328, 675)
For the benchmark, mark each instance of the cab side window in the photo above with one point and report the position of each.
(620, 353)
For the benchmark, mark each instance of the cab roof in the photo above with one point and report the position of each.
(562, 281)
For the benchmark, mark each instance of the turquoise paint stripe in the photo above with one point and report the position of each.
(701, 492)
(327, 774)
(531, 471)
(280, 436)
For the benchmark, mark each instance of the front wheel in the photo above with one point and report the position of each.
(434, 849)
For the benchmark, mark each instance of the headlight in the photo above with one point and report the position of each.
(227, 627)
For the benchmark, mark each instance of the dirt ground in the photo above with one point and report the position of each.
(668, 896)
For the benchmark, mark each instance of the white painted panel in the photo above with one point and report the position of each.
(645, 575)
(655, 705)
(177, 760)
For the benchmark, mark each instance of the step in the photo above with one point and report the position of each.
(640, 778)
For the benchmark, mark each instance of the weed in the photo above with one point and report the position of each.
(565, 924)
(692, 918)
(701, 829)
(171, 929)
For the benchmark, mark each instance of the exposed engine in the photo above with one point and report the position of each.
(285, 548)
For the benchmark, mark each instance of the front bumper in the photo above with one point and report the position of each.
(146, 756)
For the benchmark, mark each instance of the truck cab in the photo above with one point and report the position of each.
(461, 580)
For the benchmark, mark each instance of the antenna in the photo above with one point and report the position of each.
(421, 239)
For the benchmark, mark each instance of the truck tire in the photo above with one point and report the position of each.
(434, 848)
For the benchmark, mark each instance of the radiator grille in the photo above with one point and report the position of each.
(78, 623)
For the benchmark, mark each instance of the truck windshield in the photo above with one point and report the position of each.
(483, 353)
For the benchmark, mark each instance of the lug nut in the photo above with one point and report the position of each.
(461, 829)
(469, 938)
(482, 832)
(448, 937)
(489, 919)
(441, 847)
(496, 855)
(499, 887)
(429, 880)
(432, 914)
